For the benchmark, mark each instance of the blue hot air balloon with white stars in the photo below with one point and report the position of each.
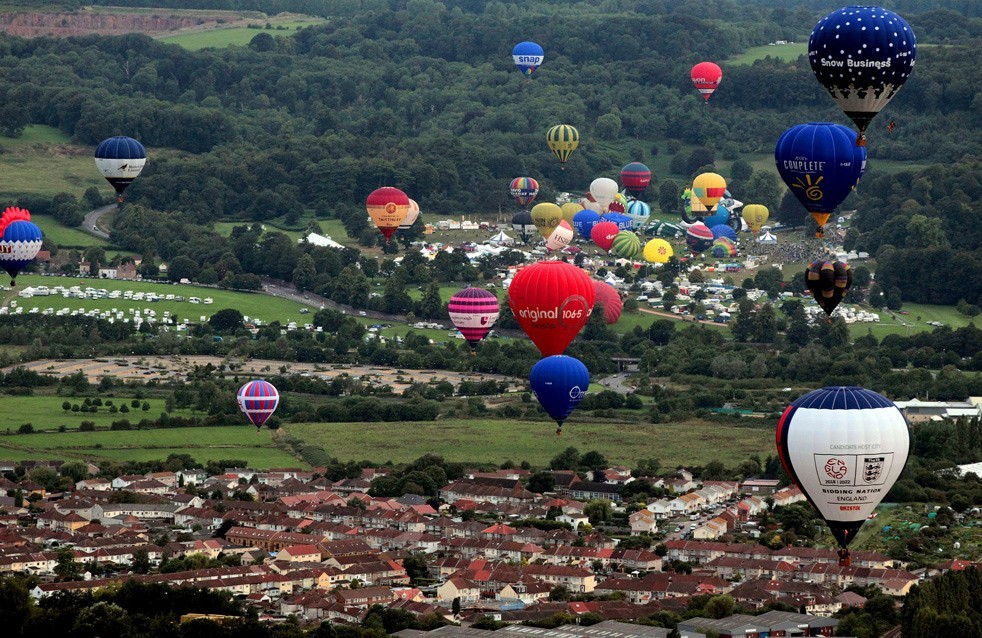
(862, 56)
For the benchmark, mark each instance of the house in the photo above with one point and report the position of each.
(363, 597)
(759, 486)
(126, 270)
(300, 554)
(467, 591)
(529, 592)
(575, 579)
(662, 509)
(643, 522)
(686, 504)
(589, 490)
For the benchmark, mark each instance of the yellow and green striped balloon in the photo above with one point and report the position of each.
(627, 245)
(563, 140)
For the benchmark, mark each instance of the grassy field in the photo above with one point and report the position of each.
(254, 305)
(484, 441)
(331, 227)
(786, 52)
(236, 36)
(65, 237)
(46, 413)
(915, 321)
(43, 161)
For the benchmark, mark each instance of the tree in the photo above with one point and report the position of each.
(599, 511)
(141, 561)
(416, 569)
(305, 272)
(455, 607)
(15, 605)
(541, 482)
(568, 459)
(75, 471)
(226, 320)
(182, 267)
(66, 567)
(740, 171)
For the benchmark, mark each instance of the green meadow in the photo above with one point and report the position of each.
(46, 412)
(44, 161)
(235, 36)
(786, 52)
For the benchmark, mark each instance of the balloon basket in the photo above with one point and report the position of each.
(861, 139)
(845, 560)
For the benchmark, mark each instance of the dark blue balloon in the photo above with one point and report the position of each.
(19, 244)
(584, 221)
(721, 216)
(862, 56)
(559, 383)
(722, 230)
(820, 163)
(120, 147)
(623, 221)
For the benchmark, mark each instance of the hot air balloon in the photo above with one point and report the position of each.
(603, 234)
(527, 57)
(723, 248)
(411, 217)
(522, 224)
(20, 241)
(862, 56)
(821, 165)
(611, 301)
(662, 228)
(584, 221)
(120, 160)
(722, 230)
(570, 209)
(551, 301)
(623, 221)
(559, 383)
(627, 245)
(844, 447)
(719, 217)
(756, 216)
(635, 178)
(658, 251)
(706, 77)
(639, 212)
(604, 191)
(524, 190)
(709, 188)
(388, 207)
(561, 236)
(698, 238)
(473, 311)
(258, 399)
(828, 282)
(563, 140)
(546, 216)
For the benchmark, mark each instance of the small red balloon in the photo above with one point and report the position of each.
(603, 234)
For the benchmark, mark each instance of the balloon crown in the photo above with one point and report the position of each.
(11, 215)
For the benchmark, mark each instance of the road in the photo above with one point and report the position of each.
(687, 318)
(91, 222)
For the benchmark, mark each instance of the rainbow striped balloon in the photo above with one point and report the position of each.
(258, 400)
(473, 311)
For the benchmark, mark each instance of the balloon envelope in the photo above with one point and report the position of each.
(723, 248)
(388, 207)
(473, 311)
(258, 400)
(635, 178)
(603, 234)
(844, 447)
(559, 383)
(756, 216)
(627, 245)
(120, 159)
(524, 190)
(658, 251)
(570, 209)
(527, 56)
(522, 224)
(709, 188)
(561, 236)
(411, 216)
(604, 191)
(563, 140)
(698, 238)
(20, 241)
(584, 221)
(606, 295)
(722, 230)
(551, 301)
(639, 212)
(828, 282)
(706, 76)
(623, 221)
(546, 216)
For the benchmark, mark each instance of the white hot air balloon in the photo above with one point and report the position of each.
(604, 191)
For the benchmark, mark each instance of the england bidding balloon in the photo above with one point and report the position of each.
(862, 56)
(584, 221)
(388, 207)
(524, 190)
(522, 224)
(528, 57)
(120, 160)
(473, 311)
(603, 234)
(546, 216)
(722, 230)
(828, 282)
(658, 251)
(561, 236)
(635, 178)
(559, 383)
(563, 140)
(706, 77)
(698, 238)
(821, 165)
(709, 189)
(844, 447)
(20, 241)
(551, 301)
(756, 216)
(604, 191)
(570, 209)
(723, 248)
(639, 212)
(411, 217)
(627, 245)
(258, 400)
(611, 301)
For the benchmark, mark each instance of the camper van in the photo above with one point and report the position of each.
(194, 300)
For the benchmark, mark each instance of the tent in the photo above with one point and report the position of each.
(767, 238)
(501, 239)
(320, 240)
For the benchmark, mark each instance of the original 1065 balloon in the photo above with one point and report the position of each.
(524, 190)
(563, 140)
(844, 447)
(706, 76)
(828, 282)
(551, 301)
(862, 56)
(473, 311)
(522, 224)
(20, 241)
(388, 207)
(609, 299)
(258, 400)
(559, 383)
(527, 56)
(120, 159)
(635, 178)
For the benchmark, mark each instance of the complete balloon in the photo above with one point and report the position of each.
(828, 282)
(862, 56)
(709, 188)
(821, 165)
(844, 447)
(546, 216)
(524, 190)
(639, 212)
(522, 224)
(20, 241)
(473, 311)
(627, 245)
(603, 234)
(120, 159)
(604, 191)
(635, 178)
(258, 400)
(528, 57)
(756, 216)
(610, 300)
(563, 140)
(561, 236)
(723, 248)
(698, 238)
(551, 301)
(658, 251)
(388, 207)
(559, 383)
(706, 76)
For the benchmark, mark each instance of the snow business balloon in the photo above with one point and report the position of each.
(388, 207)
(604, 191)
(524, 190)
(20, 241)
(844, 447)
(639, 212)
(528, 57)
(706, 76)
(258, 400)
(698, 238)
(756, 216)
(709, 188)
(559, 383)
(546, 216)
(561, 236)
(862, 56)
(821, 165)
(551, 301)
(603, 234)
(563, 140)
(658, 251)
(522, 224)
(411, 217)
(627, 245)
(584, 221)
(635, 178)
(120, 159)
(473, 311)
(611, 301)
(828, 282)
